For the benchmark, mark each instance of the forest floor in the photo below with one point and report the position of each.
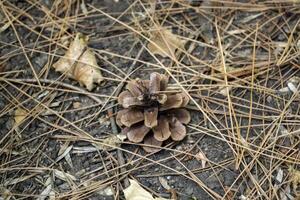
(239, 62)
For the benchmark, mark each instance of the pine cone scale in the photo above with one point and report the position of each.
(173, 101)
(137, 133)
(162, 131)
(131, 117)
(178, 130)
(150, 115)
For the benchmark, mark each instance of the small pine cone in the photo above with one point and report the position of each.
(150, 114)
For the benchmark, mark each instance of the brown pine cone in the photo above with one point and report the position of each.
(151, 114)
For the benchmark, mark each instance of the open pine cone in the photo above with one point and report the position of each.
(151, 114)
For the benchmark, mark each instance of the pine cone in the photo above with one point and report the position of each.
(151, 114)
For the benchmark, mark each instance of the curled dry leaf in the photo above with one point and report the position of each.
(136, 192)
(164, 42)
(79, 63)
(201, 157)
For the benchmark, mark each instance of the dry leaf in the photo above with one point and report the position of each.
(63, 175)
(136, 192)
(5, 194)
(64, 152)
(20, 115)
(295, 177)
(79, 63)
(165, 41)
(76, 105)
(101, 190)
(47, 191)
(83, 8)
(279, 176)
(164, 183)
(111, 142)
(108, 191)
(201, 157)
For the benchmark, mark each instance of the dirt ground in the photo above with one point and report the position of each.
(240, 65)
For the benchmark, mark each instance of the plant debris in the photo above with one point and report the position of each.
(20, 115)
(164, 42)
(201, 157)
(151, 114)
(136, 192)
(110, 142)
(79, 63)
(294, 177)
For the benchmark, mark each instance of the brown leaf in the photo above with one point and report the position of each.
(137, 133)
(150, 115)
(132, 116)
(164, 42)
(173, 101)
(178, 130)
(162, 131)
(181, 114)
(154, 84)
(80, 63)
(150, 140)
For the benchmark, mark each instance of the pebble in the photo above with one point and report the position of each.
(292, 87)
(189, 190)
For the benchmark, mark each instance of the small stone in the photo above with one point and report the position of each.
(189, 190)
(269, 99)
(292, 87)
